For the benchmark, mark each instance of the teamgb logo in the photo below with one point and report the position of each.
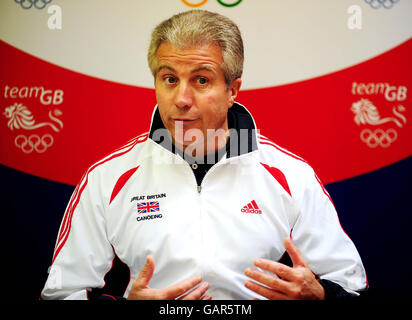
(199, 3)
(20, 117)
(366, 113)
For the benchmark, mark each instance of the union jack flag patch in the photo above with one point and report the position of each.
(146, 207)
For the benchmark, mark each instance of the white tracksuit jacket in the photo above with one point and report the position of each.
(143, 199)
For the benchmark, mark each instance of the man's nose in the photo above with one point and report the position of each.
(184, 95)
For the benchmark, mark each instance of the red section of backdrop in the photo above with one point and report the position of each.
(312, 118)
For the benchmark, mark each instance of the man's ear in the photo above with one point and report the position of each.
(234, 90)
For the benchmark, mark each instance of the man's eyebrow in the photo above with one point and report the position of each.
(201, 68)
(165, 66)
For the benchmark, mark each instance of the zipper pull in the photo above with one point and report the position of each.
(199, 188)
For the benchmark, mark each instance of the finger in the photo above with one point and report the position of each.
(197, 293)
(281, 270)
(264, 291)
(146, 273)
(268, 280)
(294, 253)
(180, 288)
(206, 297)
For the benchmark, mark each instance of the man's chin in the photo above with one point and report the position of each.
(188, 144)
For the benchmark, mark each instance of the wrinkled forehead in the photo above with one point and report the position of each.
(205, 57)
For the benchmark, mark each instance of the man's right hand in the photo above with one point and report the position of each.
(141, 291)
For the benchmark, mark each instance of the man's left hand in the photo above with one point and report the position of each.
(286, 283)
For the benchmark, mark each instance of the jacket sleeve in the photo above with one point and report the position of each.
(317, 232)
(83, 253)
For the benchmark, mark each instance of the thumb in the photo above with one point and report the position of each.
(146, 273)
(294, 253)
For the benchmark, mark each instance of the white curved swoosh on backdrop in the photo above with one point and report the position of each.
(285, 41)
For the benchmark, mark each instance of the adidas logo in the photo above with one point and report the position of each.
(251, 207)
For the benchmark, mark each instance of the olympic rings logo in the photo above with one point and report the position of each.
(376, 4)
(28, 4)
(34, 142)
(378, 137)
(202, 2)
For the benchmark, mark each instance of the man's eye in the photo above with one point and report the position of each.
(202, 80)
(171, 80)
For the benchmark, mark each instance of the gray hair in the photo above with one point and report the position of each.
(198, 28)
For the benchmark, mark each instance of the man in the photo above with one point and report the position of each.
(196, 204)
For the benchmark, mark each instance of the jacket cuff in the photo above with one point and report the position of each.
(333, 291)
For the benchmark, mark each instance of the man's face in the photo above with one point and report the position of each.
(191, 92)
